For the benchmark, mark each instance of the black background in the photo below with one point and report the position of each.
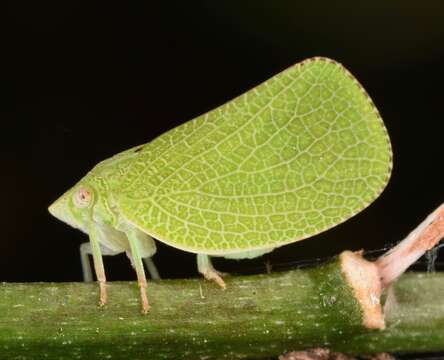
(84, 81)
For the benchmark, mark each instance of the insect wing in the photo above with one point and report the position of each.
(295, 156)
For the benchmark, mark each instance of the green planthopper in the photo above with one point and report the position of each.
(294, 156)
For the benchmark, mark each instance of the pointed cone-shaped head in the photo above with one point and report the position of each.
(59, 209)
(62, 210)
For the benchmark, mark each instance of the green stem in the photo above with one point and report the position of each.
(257, 316)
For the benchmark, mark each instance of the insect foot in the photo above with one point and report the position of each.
(143, 298)
(103, 295)
(206, 268)
(215, 276)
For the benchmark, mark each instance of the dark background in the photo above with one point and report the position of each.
(84, 81)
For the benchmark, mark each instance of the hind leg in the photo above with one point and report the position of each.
(206, 268)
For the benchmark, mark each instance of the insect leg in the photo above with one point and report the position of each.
(85, 250)
(98, 264)
(152, 269)
(205, 267)
(147, 248)
(149, 264)
(138, 265)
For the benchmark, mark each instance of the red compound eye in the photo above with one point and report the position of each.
(82, 197)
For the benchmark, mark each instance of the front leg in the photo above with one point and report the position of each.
(85, 251)
(98, 264)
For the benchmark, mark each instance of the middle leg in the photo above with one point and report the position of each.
(135, 255)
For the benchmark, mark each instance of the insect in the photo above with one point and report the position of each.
(294, 156)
